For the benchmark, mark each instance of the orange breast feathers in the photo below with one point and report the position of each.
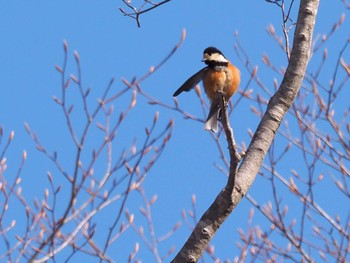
(226, 80)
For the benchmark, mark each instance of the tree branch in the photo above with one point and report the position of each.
(278, 106)
(136, 12)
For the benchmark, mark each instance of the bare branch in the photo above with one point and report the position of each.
(145, 7)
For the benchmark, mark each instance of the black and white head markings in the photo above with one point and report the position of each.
(214, 58)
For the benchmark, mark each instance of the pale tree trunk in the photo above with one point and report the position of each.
(241, 179)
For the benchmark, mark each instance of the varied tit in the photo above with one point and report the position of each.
(218, 76)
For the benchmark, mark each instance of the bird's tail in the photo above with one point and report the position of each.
(212, 121)
(212, 124)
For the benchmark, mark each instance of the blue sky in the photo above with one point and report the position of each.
(111, 46)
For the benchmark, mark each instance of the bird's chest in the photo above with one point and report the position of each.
(214, 81)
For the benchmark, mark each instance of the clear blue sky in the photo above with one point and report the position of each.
(111, 45)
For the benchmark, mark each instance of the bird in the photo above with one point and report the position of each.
(219, 75)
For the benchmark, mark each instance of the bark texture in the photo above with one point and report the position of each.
(241, 179)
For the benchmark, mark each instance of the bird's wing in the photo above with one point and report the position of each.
(191, 82)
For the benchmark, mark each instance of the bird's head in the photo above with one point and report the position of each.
(213, 56)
